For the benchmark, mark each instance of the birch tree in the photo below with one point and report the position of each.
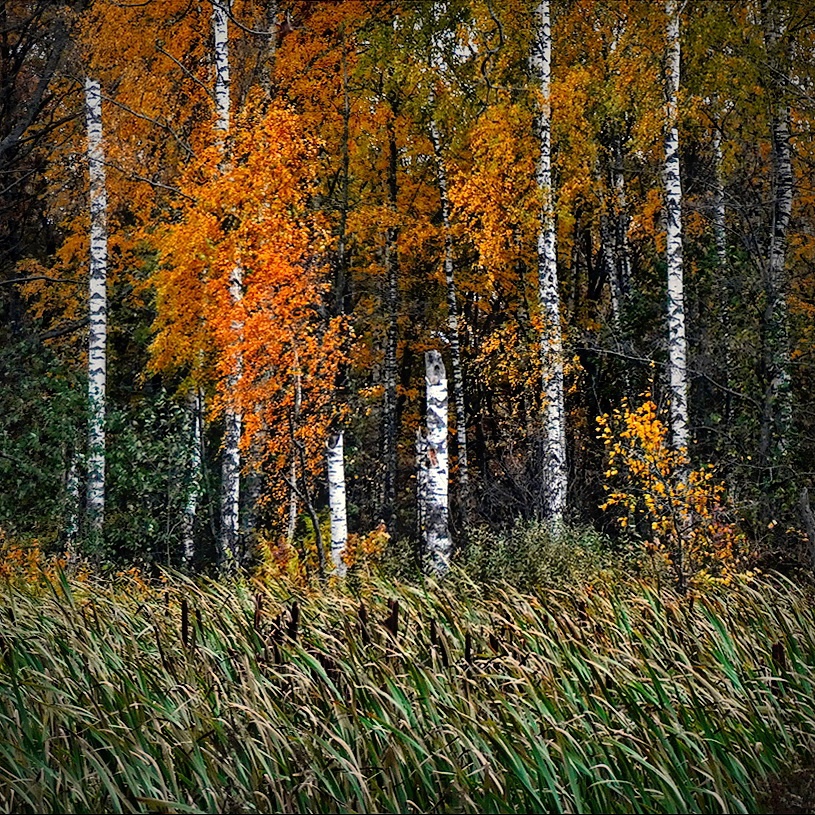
(97, 340)
(437, 63)
(677, 343)
(231, 461)
(389, 425)
(434, 476)
(194, 466)
(554, 467)
(337, 499)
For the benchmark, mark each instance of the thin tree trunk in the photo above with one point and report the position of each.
(609, 262)
(292, 523)
(436, 522)
(233, 420)
(72, 501)
(623, 250)
(97, 342)
(421, 483)
(777, 411)
(391, 342)
(554, 466)
(194, 466)
(337, 500)
(267, 68)
(677, 344)
(337, 496)
(453, 329)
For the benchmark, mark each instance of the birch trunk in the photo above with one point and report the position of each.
(421, 483)
(391, 342)
(623, 250)
(437, 474)
(72, 501)
(719, 212)
(231, 461)
(292, 523)
(554, 467)
(777, 410)
(337, 500)
(97, 341)
(677, 344)
(194, 465)
(452, 326)
(267, 69)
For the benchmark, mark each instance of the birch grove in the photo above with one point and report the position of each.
(98, 309)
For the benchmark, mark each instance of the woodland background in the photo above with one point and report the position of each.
(332, 202)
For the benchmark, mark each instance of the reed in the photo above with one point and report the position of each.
(204, 697)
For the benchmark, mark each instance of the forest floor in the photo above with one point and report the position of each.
(120, 695)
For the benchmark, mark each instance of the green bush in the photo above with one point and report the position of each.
(535, 555)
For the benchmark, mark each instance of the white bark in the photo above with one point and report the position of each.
(436, 520)
(421, 482)
(677, 343)
(555, 473)
(97, 341)
(220, 32)
(231, 461)
(292, 523)
(719, 213)
(389, 423)
(623, 249)
(72, 501)
(336, 499)
(194, 464)
(452, 322)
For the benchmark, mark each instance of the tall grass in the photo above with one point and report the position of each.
(442, 698)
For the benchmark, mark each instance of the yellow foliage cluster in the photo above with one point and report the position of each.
(680, 512)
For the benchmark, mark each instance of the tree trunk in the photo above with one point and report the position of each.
(72, 506)
(233, 420)
(194, 465)
(554, 466)
(97, 342)
(267, 67)
(453, 330)
(391, 342)
(337, 500)
(777, 410)
(677, 344)
(436, 522)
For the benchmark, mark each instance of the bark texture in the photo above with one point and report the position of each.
(677, 342)
(389, 428)
(554, 466)
(97, 340)
(436, 517)
(194, 465)
(233, 420)
(337, 499)
(452, 326)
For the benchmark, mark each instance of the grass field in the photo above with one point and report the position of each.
(221, 697)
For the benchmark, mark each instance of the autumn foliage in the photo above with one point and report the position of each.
(681, 514)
